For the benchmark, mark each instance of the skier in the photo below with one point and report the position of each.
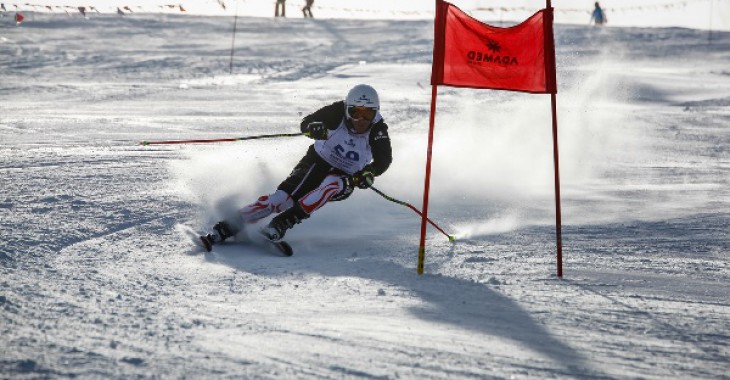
(351, 148)
(308, 8)
(598, 16)
(283, 8)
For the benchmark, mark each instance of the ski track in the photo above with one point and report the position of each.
(98, 282)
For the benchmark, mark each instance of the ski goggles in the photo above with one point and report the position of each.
(360, 112)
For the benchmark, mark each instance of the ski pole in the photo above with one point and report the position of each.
(205, 141)
(451, 237)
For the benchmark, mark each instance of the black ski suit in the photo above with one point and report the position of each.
(312, 169)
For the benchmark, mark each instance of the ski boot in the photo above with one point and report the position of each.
(276, 229)
(222, 231)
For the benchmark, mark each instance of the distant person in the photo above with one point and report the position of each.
(308, 8)
(283, 8)
(18, 18)
(598, 16)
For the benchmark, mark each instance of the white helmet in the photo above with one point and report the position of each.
(362, 95)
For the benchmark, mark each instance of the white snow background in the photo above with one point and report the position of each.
(99, 280)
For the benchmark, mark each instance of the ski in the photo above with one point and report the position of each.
(207, 242)
(283, 247)
(280, 245)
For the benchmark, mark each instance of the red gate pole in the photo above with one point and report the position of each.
(558, 217)
(550, 70)
(424, 215)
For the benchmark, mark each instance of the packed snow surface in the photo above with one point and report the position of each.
(98, 278)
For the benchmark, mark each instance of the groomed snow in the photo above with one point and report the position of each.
(98, 278)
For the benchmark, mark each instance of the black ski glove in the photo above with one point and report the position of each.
(363, 179)
(316, 130)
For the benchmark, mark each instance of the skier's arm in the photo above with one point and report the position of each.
(382, 152)
(329, 115)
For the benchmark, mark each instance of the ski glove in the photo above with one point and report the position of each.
(363, 179)
(316, 130)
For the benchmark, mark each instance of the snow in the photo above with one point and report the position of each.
(98, 279)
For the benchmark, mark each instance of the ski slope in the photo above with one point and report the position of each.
(99, 280)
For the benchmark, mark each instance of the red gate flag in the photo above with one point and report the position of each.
(469, 53)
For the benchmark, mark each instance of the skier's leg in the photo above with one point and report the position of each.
(333, 186)
(233, 225)
(307, 175)
(265, 206)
